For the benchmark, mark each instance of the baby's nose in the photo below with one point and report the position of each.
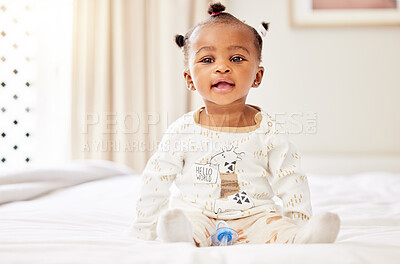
(223, 68)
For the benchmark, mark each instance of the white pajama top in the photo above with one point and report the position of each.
(223, 173)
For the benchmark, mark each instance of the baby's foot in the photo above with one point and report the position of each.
(174, 226)
(322, 228)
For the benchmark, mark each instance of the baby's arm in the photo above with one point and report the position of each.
(288, 181)
(157, 178)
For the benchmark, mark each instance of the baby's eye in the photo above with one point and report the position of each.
(237, 59)
(207, 60)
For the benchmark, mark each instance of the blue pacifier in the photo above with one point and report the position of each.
(224, 236)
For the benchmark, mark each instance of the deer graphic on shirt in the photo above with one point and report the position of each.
(226, 162)
(232, 197)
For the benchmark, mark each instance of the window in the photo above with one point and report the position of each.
(35, 51)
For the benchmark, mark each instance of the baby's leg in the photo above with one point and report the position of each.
(322, 228)
(176, 225)
(266, 228)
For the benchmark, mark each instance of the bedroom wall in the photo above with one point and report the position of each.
(348, 76)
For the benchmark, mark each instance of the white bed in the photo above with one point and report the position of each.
(83, 221)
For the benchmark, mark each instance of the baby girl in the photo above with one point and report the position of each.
(227, 159)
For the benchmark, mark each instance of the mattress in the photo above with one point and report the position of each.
(79, 212)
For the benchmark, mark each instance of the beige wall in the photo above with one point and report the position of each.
(349, 76)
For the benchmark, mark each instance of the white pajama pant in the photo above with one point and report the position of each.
(261, 228)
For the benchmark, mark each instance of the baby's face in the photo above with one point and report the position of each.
(223, 63)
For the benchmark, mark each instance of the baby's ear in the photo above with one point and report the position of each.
(187, 75)
(259, 77)
(189, 81)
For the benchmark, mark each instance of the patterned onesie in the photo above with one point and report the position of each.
(226, 173)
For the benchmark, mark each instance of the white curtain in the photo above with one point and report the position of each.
(127, 83)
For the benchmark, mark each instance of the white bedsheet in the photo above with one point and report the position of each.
(85, 223)
(24, 185)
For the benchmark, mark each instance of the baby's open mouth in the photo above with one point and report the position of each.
(223, 85)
